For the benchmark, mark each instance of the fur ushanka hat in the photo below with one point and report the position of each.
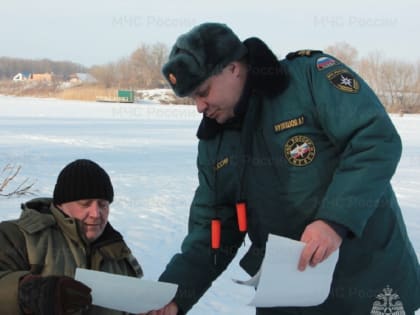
(199, 54)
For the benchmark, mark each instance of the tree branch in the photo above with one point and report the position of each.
(8, 174)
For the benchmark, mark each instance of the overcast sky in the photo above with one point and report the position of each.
(100, 31)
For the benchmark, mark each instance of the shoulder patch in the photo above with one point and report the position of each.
(301, 53)
(343, 80)
(325, 62)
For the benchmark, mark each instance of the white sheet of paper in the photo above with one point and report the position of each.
(281, 284)
(127, 294)
(253, 282)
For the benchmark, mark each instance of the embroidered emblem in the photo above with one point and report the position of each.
(299, 150)
(221, 164)
(288, 124)
(344, 81)
(325, 62)
(172, 78)
(387, 303)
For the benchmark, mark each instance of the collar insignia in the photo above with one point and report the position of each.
(222, 163)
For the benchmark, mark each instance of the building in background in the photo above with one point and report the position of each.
(23, 76)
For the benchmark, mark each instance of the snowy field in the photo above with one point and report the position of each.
(150, 152)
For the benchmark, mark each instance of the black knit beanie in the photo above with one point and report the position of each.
(82, 179)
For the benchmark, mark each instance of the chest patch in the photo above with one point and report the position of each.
(343, 80)
(288, 124)
(222, 163)
(299, 150)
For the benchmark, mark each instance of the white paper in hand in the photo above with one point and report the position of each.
(127, 294)
(281, 284)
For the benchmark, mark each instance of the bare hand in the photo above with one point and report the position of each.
(321, 240)
(170, 309)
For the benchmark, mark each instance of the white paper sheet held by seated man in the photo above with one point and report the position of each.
(279, 282)
(127, 294)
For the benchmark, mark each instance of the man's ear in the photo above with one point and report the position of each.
(234, 68)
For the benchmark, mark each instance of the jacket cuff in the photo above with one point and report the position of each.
(340, 229)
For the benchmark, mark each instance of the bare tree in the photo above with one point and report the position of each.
(106, 74)
(400, 85)
(159, 54)
(7, 175)
(344, 52)
(147, 62)
(370, 70)
(142, 69)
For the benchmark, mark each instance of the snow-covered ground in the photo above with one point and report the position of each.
(150, 152)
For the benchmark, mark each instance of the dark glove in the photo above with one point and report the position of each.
(52, 295)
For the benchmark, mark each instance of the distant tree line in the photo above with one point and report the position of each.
(11, 66)
(397, 83)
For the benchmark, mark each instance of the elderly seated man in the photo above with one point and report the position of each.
(41, 250)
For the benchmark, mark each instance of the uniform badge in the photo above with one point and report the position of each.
(288, 124)
(299, 150)
(220, 164)
(172, 78)
(325, 62)
(344, 81)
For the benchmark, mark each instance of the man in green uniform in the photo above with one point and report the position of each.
(40, 251)
(308, 148)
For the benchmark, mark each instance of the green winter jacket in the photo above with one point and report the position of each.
(322, 147)
(45, 241)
